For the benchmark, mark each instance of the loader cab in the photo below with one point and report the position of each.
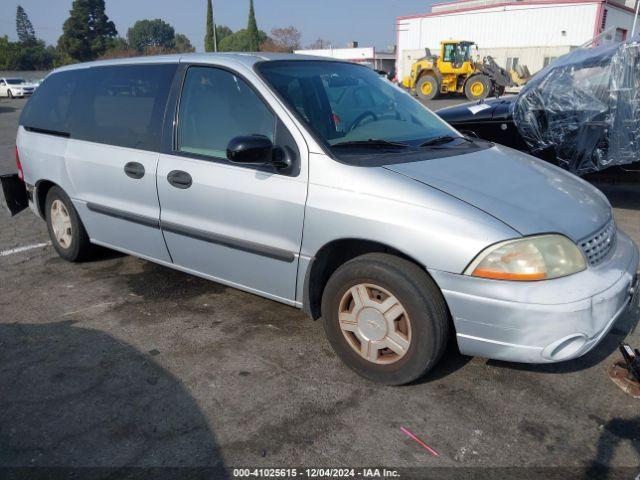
(456, 57)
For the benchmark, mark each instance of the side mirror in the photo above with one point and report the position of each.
(256, 150)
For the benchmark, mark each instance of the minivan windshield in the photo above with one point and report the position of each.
(348, 105)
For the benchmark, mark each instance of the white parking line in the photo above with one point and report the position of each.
(11, 251)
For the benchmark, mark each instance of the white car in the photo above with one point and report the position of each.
(15, 87)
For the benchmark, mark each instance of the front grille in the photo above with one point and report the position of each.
(597, 246)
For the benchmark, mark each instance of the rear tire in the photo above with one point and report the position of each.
(427, 87)
(68, 235)
(385, 318)
(477, 87)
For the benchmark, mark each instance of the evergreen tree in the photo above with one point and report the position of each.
(210, 43)
(87, 33)
(252, 30)
(240, 41)
(155, 34)
(183, 44)
(222, 32)
(24, 27)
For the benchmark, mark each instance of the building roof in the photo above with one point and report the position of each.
(461, 6)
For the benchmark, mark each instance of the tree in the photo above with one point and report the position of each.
(253, 34)
(210, 40)
(319, 44)
(18, 56)
(183, 44)
(222, 32)
(86, 33)
(240, 42)
(6, 53)
(118, 48)
(34, 56)
(118, 44)
(24, 27)
(156, 34)
(282, 40)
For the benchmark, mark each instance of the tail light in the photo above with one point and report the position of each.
(19, 166)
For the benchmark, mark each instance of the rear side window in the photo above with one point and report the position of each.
(50, 106)
(123, 105)
(215, 107)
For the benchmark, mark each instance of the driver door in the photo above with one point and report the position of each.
(237, 224)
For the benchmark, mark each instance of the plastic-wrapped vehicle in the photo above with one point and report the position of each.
(581, 113)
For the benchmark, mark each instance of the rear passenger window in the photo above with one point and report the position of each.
(124, 105)
(49, 107)
(215, 107)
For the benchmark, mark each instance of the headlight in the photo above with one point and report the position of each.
(532, 258)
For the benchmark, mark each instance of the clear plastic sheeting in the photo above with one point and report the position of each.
(583, 111)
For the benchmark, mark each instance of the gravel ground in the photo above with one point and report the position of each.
(120, 362)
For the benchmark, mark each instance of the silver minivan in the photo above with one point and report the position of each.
(319, 184)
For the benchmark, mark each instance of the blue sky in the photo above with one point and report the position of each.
(371, 22)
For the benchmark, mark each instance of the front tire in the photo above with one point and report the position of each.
(427, 87)
(9, 93)
(477, 87)
(385, 318)
(67, 233)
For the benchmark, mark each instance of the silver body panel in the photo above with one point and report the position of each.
(96, 173)
(530, 195)
(260, 231)
(523, 321)
(239, 204)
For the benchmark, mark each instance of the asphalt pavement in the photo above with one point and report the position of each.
(121, 362)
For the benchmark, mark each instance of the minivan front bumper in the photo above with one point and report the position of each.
(545, 321)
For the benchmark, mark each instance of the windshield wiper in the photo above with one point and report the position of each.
(372, 142)
(443, 139)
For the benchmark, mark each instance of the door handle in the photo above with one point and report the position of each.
(134, 170)
(179, 179)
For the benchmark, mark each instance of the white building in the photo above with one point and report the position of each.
(525, 32)
(364, 55)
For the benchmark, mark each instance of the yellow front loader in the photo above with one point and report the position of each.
(455, 71)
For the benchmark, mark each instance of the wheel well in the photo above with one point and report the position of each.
(42, 188)
(475, 76)
(327, 261)
(428, 73)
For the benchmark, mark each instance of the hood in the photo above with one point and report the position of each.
(524, 192)
(484, 111)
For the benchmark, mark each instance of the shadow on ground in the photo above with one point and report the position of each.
(614, 432)
(452, 360)
(74, 397)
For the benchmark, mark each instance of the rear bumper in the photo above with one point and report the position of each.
(545, 321)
